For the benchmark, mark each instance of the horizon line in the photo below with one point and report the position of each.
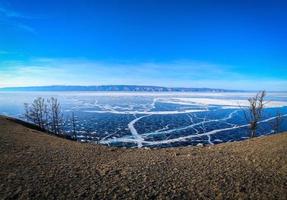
(138, 85)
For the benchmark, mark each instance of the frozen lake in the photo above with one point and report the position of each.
(164, 119)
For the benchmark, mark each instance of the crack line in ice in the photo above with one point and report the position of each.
(192, 122)
(140, 138)
(191, 125)
(202, 105)
(145, 112)
(134, 131)
(184, 138)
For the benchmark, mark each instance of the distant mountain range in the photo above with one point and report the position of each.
(124, 88)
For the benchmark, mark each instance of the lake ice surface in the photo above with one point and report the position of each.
(145, 119)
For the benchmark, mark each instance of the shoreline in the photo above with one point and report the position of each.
(68, 137)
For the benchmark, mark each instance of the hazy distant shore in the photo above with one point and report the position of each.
(115, 88)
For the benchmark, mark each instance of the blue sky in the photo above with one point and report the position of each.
(223, 44)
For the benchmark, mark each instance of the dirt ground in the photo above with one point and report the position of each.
(35, 165)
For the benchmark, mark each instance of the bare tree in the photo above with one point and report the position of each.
(276, 124)
(46, 114)
(254, 112)
(74, 125)
(55, 115)
(37, 112)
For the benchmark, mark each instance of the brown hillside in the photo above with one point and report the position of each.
(39, 166)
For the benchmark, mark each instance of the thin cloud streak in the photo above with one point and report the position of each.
(10, 13)
(14, 19)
